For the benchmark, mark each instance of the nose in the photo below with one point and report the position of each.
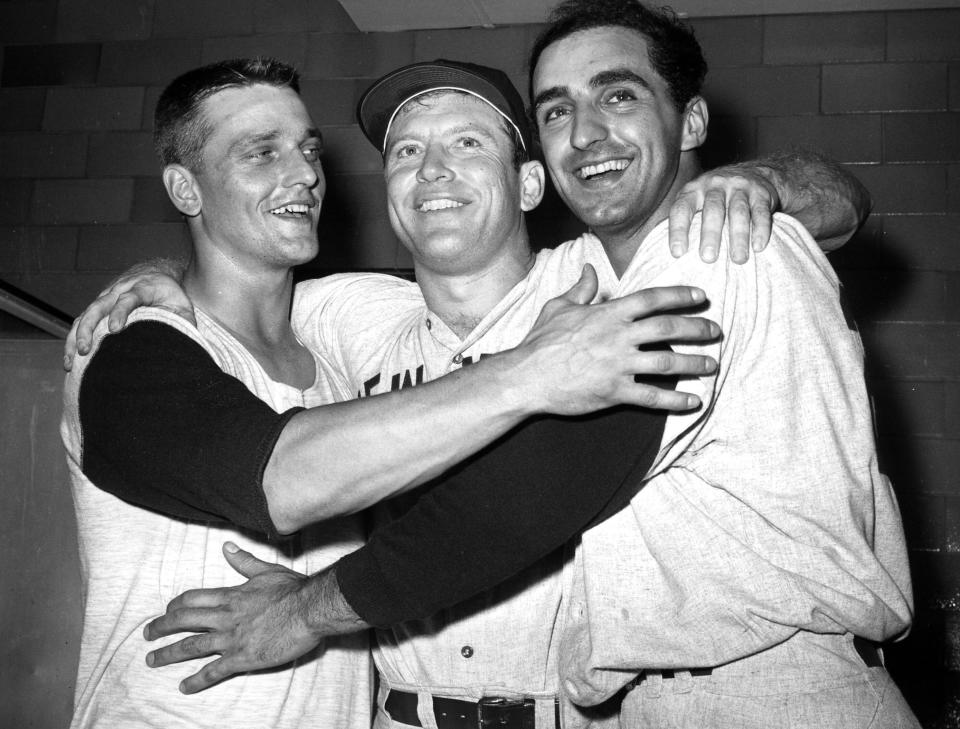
(302, 171)
(587, 128)
(433, 165)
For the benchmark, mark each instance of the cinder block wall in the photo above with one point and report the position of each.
(880, 91)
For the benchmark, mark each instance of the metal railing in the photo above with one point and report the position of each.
(33, 311)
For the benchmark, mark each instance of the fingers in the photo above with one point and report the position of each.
(186, 620)
(711, 224)
(89, 319)
(122, 308)
(652, 300)
(212, 673)
(583, 291)
(681, 215)
(673, 328)
(658, 398)
(70, 346)
(244, 562)
(762, 226)
(193, 646)
(738, 226)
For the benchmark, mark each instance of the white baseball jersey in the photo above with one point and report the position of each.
(767, 535)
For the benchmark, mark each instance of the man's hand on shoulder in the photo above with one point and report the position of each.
(272, 619)
(737, 196)
(152, 283)
(827, 199)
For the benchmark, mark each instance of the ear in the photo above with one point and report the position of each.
(695, 120)
(531, 185)
(182, 188)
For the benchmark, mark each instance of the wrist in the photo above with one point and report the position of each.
(326, 612)
(514, 385)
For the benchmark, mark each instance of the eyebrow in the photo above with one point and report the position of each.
(604, 78)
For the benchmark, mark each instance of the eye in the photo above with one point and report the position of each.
(618, 96)
(405, 151)
(261, 154)
(313, 153)
(469, 142)
(554, 113)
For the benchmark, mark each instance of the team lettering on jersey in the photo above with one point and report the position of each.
(407, 378)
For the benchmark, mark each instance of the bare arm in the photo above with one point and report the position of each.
(342, 458)
(829, 201)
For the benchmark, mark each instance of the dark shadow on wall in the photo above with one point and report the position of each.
(877, 281)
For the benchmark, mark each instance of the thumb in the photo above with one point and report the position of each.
(244, 562)
(585, 289)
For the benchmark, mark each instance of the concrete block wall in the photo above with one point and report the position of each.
(880, 91)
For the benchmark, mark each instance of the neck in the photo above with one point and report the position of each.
(622, 244)
(254, 306)
(462, 300)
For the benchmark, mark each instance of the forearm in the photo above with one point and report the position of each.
(506, 508)
(577, 359)
(829, 201)
(342, 458)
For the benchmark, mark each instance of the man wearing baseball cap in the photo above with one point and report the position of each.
(458, 184)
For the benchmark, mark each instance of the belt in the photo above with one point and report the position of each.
(490, 711)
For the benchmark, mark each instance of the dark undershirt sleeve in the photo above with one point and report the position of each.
(165, 428)
(502, 510)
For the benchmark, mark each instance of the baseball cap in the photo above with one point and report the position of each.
(382, 101)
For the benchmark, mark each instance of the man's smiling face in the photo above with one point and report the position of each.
(610, 132)
(260, 179)
(454, 196)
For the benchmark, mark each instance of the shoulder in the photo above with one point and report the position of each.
(334, 315)
(344, 287)
(350, 299)
(149, 332)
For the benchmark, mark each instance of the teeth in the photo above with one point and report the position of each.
(428, 205)
(295, 208)
(590, 170)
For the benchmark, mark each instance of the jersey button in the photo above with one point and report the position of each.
(466, 651)
(457, 358)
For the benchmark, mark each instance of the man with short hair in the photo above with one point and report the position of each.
(753, 576)
(496, 661)
(180, 436)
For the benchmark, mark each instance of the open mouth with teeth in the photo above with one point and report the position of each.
(603, 169)
(429, 206)
(296, 210)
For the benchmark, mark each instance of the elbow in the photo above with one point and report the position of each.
(294, 503)
(283, 522)
(287, 513)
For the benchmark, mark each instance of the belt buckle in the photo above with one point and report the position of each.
(498, 712)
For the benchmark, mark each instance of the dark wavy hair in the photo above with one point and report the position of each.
(179, 127)
(674, 51)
